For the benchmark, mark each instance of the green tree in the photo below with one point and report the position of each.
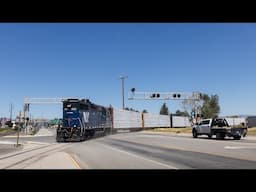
(188, 105)
(130, 109)
(164, 110)
(210, 108)
(144, 111)
(182, 113)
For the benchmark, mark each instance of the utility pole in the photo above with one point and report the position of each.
(122, 78)
(11, 107)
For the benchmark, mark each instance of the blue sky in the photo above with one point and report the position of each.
(86, 60)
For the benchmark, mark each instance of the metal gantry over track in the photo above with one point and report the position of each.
(28, 101)
(195, 97)
(164, 95)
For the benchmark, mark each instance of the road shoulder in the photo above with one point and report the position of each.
(58, 160)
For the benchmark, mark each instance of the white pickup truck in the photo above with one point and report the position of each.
(220, 128)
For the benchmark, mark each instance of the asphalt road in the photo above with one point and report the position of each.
(147, 150)
(142, 150)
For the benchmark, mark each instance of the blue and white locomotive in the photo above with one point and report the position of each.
(81, 119)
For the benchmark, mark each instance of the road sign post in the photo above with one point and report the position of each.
(18, 136)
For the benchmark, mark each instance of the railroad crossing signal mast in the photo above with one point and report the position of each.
(194, 96)
(28, 101)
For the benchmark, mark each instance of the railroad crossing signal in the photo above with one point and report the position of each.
(155, 95)
(133, 90)
(163, 95)
(176, 95)
(194, 96)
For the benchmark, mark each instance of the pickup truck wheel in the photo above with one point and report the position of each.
(237, 137)
(220, 135)
(194, 132)
(210, 136)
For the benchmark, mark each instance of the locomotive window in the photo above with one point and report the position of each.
(70, 105)
(84, 107)
(75, 105)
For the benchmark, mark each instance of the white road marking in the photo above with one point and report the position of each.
(7, 142)
(240, 147)
(15, 136)
(123, 131)
(131, 154)
(36, 142)
(26, 136)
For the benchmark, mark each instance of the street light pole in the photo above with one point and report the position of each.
(123, 77)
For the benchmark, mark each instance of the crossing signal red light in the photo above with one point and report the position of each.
(176, 95)
(155, 95)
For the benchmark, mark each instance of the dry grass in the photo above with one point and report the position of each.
(173, 130)
(8, 129)
(252, 131)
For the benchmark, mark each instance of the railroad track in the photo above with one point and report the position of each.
(21, 160)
